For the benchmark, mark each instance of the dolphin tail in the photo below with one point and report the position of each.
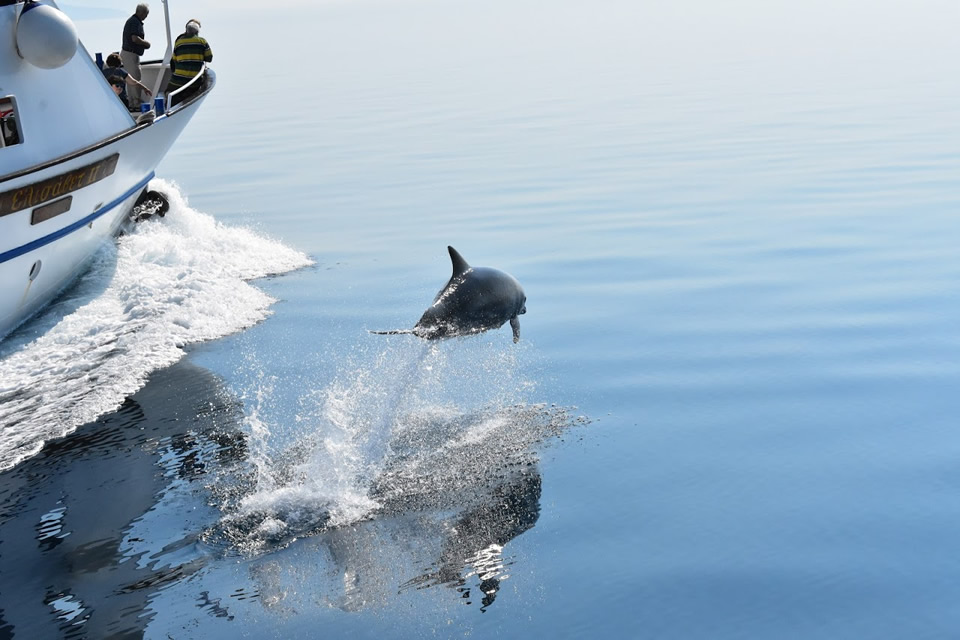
(391, 332)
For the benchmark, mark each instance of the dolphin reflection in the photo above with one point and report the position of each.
(465, 551)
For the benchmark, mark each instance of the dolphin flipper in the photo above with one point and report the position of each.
(515, 325)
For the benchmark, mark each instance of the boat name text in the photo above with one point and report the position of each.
(38, 192)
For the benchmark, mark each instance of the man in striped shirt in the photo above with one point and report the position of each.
(189, 53)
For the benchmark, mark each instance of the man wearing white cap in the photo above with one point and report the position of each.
(190, 52)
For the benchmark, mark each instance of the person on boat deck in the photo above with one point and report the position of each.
(132, 48)
(189, 54)
(117, 84)
(114, 69)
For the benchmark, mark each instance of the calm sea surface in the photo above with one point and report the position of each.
(733, 411)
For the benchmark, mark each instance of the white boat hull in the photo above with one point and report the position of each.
(39, 260)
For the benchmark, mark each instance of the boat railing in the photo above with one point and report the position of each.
(194, 87)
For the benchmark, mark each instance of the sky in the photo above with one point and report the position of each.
(838, 41)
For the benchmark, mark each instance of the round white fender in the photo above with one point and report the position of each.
(46, 37)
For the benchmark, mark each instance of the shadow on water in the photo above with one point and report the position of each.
(70, 561)
(122, 529)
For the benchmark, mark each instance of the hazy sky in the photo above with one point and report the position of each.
(820, 38)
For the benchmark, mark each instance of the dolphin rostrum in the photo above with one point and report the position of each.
(473, 300)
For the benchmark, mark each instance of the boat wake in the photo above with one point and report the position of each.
(168, 283)
(421, 428)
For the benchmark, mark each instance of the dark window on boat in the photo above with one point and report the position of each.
(9, 122)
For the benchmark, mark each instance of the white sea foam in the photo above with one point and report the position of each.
(170, 282)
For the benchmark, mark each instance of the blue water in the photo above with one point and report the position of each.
(731, 411)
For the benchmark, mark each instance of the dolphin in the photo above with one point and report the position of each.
(474, 300)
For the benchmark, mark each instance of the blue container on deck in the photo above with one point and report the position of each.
(144, 107)
(158, 105)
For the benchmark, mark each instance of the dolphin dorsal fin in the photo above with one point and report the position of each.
(459, 264)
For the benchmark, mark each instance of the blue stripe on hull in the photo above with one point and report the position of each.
(56, 235)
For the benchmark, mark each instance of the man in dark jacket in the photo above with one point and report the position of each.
(132, 48)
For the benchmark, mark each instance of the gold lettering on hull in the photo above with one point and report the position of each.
(39, 192)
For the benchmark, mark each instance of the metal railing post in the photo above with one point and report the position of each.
(166, 56)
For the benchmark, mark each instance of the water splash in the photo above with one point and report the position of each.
(418, 427)
(168, 283)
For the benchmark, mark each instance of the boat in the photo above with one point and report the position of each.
(75, 163)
